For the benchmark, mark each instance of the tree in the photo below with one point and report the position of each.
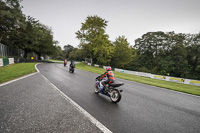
(11, 20)
(193, 55)
(58, 53)
(28, 36)
(123, 52)
(179, 66)
(67, 49)
(155, 50)
(26, 33)
(36, 38)
(150, 45)
(44, 41)
(94, 41)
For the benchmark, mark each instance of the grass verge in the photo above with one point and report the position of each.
(13, 71)
(195, 90)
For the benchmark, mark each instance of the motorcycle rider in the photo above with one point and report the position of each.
(65, 62)
(110, 76)
(72, 64)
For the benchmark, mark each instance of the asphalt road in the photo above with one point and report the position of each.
(142, 109)
(32, 104)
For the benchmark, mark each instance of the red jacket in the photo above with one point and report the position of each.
(109, 74)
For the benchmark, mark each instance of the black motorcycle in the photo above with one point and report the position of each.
(71, 69)
(110, 91)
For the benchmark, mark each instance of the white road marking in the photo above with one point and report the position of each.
(17, 79)
(85, 113)
(20, 77)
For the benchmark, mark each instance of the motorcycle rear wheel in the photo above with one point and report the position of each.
(115, 96)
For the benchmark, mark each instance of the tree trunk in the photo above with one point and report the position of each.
(25, 54)
(39, 56)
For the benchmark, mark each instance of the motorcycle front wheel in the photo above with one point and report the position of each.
(115, 96)
(96, 90)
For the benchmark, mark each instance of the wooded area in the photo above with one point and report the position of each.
(24, 32)
(155, 52)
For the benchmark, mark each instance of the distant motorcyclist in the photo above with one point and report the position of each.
(72, 64)
(65, 62)
(110, 76)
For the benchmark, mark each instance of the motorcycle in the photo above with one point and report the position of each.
(65, 64)
(110, 91)
(71, 69)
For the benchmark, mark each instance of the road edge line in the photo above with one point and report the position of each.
(11, 81)
(84, 112)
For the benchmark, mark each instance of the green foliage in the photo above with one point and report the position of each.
(123, 52)
(193, 55)
(169, 53)
(178, 57)
(58, 53)
(104, 53)
(26, 33)
(67, 49)
(155, 52)
(77, 54)
(149, 47)
(94, 41)
(11, 19)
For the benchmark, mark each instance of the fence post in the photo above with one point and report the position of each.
(1, 62)
(11, 60)
(1, 51)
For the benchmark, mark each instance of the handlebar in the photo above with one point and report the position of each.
(97, 79)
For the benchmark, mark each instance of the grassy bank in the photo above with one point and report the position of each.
(13, 71)
(195, 90)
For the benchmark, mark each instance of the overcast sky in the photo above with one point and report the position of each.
(131, 18)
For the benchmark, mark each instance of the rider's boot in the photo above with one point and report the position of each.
(106, 89)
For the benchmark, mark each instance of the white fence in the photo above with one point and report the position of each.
(177, 79)
(11, 60)
(6, 61)
(96, 65)
(134, 72)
